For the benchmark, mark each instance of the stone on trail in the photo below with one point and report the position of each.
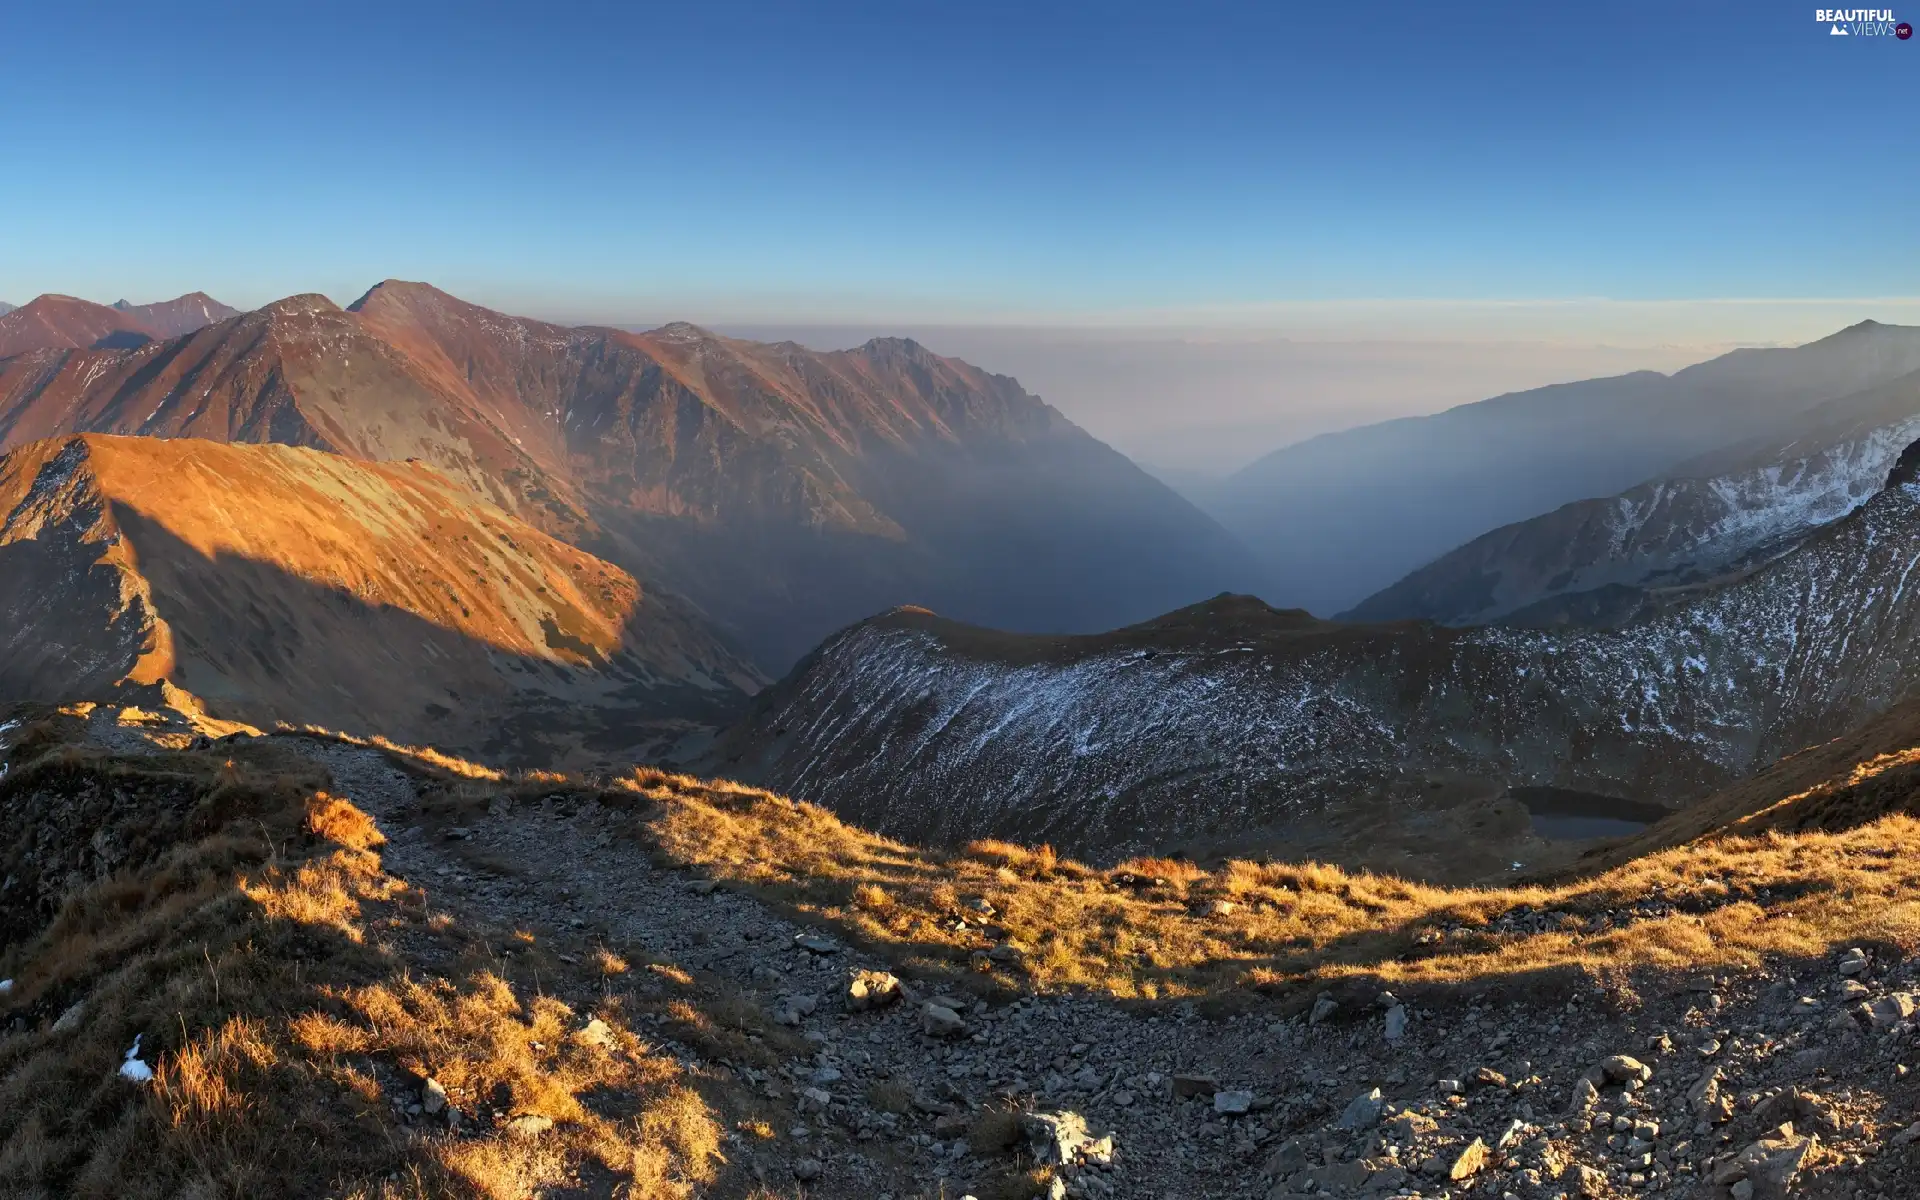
(871, 989)
(1055, 1139)
(940, 1021)
(1363, 1112)
(1396, 1023)
(1232, 1103)
(1469, 1161)
(1195, 1084)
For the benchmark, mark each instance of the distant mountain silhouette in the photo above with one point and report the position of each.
(1338, 517)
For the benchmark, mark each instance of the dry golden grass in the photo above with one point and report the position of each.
(248, 944)
(1154, 928)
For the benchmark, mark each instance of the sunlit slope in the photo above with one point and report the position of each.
(285, 584)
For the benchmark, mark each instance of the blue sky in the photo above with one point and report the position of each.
(955, 161)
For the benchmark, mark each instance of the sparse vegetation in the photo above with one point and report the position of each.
(236, 919)
(1161, 928)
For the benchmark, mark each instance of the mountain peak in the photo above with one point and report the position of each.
(399, 291)
(302, 305)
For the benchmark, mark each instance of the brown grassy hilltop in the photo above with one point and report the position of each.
(602, 979)
(273, 582)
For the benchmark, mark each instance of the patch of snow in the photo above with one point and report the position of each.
(133, 1070)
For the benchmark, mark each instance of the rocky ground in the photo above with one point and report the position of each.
(1795, 1083)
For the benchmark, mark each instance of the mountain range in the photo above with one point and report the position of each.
(66, 322)
(783, 491)
(1599, 561)
(1338, 518)
(272, 583)
(1232, 723)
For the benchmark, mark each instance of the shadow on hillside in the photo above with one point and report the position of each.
(262, 645)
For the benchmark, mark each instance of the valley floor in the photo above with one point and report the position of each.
(704, 937)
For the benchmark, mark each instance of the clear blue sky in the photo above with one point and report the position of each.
(958, 158)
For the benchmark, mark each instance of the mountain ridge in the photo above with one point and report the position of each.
(783, 491)
(1344, 515)
(283, 584)
(1216, 721)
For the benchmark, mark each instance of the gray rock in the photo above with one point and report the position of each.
(1055, 1138)
(1195, 1084)
(1232, 1103)
(1363, 1111)
(433, 1097)
(70, 1019)
(806, 1170)
(529, 1125)
(940, 1021)
(1323, 1009)
(1396, 1023)
(815, 943)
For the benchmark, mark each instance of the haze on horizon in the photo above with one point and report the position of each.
(1203, 233)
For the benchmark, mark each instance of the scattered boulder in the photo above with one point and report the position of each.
(1194, 1084)
(1854, 962)
(1396, 1023)
(433, 1097)
(937, 1020)
(806, 1170)
(1323, 1010)
(871, 989)
(1469, 1161)
(69, 1020)
(529, 1125)
(1363, 1111)
(1059, 1139)
(1232, 1103)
